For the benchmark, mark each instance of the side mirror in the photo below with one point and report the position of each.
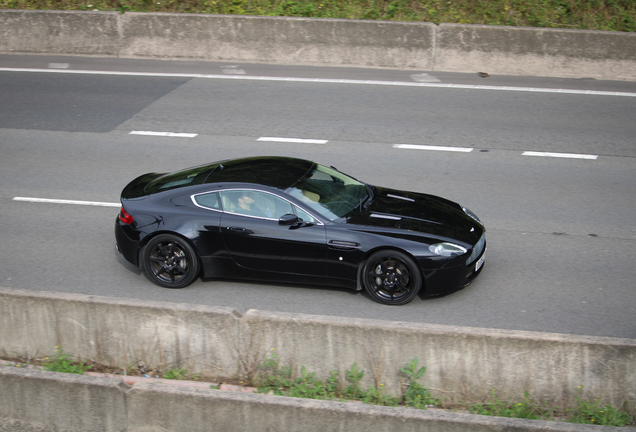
(288, 219)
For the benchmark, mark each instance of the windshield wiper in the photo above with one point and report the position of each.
(366, 200)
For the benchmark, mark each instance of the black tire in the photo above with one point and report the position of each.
(391, 277)
(170, 262)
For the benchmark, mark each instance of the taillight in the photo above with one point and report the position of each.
(125, 217)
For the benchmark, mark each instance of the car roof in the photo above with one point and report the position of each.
(272, 171)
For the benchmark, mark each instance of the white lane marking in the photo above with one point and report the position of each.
(61, 201)
(293, 140)
(59, 65)
(332, 81)
(434, 148)
(560, 155)
(166, 134)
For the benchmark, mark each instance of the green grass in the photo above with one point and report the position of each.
(614, 15)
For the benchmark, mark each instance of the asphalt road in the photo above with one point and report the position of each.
(561, 231)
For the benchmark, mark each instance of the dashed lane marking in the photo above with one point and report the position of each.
(165, 134)
(560, 155)
(293, 140)
(433, 148)
(397, 146)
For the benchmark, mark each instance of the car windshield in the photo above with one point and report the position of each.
(330, 192)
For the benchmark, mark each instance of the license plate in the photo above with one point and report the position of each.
(480, 262)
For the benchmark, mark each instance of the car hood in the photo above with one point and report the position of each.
(420, 213)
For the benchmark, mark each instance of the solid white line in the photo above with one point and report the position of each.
(560, 155)
(60, 201)
(293, 140)
(331, 81)
(166, 134)
(435, 148)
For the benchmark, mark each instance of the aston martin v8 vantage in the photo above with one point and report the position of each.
(282, 219)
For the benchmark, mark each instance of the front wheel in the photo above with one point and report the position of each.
(170, 262)
(391, 277)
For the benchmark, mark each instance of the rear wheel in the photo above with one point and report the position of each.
(391, 277)
(170, 262)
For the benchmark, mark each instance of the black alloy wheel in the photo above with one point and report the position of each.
(170, 262)
(391, 277)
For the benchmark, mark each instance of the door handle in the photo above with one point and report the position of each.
(240, 230)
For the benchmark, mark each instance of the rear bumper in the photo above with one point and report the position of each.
(127, 242)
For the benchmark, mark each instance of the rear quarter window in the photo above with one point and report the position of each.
(208, 200)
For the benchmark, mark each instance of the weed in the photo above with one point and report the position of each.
(272, 377)
(586, 411)
(526, 409)
(176, 374)
(416, 395)
(62, 363)
(354, 375)
(592, 412)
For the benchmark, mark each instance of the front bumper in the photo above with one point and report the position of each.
(448, 279)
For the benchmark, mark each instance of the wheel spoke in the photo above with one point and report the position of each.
(162, 250)
(404, 274)
(171, 273)
(402, 286)
(157, 260)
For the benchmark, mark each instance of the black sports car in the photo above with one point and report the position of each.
(291, 220)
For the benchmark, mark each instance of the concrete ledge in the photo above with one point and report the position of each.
(535, 51)
(63, 32)
(331, 42)
(283, 40)
(33, 400)
(463, 364)
(47, 401)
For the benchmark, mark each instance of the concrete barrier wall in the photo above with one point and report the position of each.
(59, 32)
(282, 40)
(424, 46)
(33, 400)
(462, 363)
(536, 51)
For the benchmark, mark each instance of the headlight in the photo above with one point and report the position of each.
(447, 249)
(471, 214)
